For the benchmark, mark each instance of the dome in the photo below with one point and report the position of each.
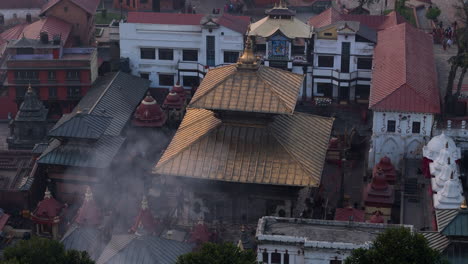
(437, 143)
(89, 213)
(377, 218)
(173, 100)
(379, 182)
(149, 114)
(385, 164)
(450, 197)
(144, 222)
(48, 211)
(179, 89)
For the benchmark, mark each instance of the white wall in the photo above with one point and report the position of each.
(309, 256)
(177, 37)
(20, 13)
(331, 47)
(401, 143)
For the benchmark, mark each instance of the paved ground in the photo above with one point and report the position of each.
(4, 133)
(443, 67)
(416, 204)
(375, 9)
(449, 12)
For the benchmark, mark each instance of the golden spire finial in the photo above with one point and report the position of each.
(30, 90)
(47, 193)
(463, 205)
(88, 194)
(248, 57)
(282, 4)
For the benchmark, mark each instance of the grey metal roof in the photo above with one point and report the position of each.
(358, 27)
(82, 126)
(83, 239)
(444, 217)
(458, 226)
(100, 116)
(90, 155)
(124, 249)
(436, 240)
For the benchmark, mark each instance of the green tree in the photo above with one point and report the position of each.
(396, 245)
(42, 250)
(460, 60)
(433, 13)
(211, 253)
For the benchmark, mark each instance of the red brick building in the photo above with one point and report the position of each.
(60, 76)
(79, 13)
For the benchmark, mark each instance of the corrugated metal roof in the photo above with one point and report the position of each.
(265, 90)
(124, 249)
(458, 226)
(291, 28)
(91, 155)
(83, 239)
(82, 126)
(444, 217)
(436, 240)
(285, 151)
(109, 105)
(404, 77)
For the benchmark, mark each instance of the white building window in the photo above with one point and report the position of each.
(190, 55)
(364, 63)
(144, 75)
(326, 61)
(231, 56)
(326, 89)
(166, 79)
(275, 258)
(416, 129)
(165, 54)
(391, 124)
(148, 53)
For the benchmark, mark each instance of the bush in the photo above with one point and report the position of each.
(433, 13)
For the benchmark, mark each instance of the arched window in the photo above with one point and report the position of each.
(15, 16)
(2, 19)
(28, 18)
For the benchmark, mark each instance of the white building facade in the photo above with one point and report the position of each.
(166, 51)
(399, 135)
(342, 61)
(22, 14)
(311, 241)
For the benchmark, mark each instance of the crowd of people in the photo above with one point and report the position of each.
(445, 35)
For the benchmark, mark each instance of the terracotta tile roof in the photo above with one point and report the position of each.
(283, 152)
(404, 76)
(377, 22)
(17, 4)
(164, 18)
(266, 90)
(236, 23)
(89, 6)
(51, 25)
(13, 33)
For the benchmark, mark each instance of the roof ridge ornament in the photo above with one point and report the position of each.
(248, 59)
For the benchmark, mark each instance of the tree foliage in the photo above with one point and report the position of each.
(218, 254)
(433, 13)
(396, 245)
(41, 250)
